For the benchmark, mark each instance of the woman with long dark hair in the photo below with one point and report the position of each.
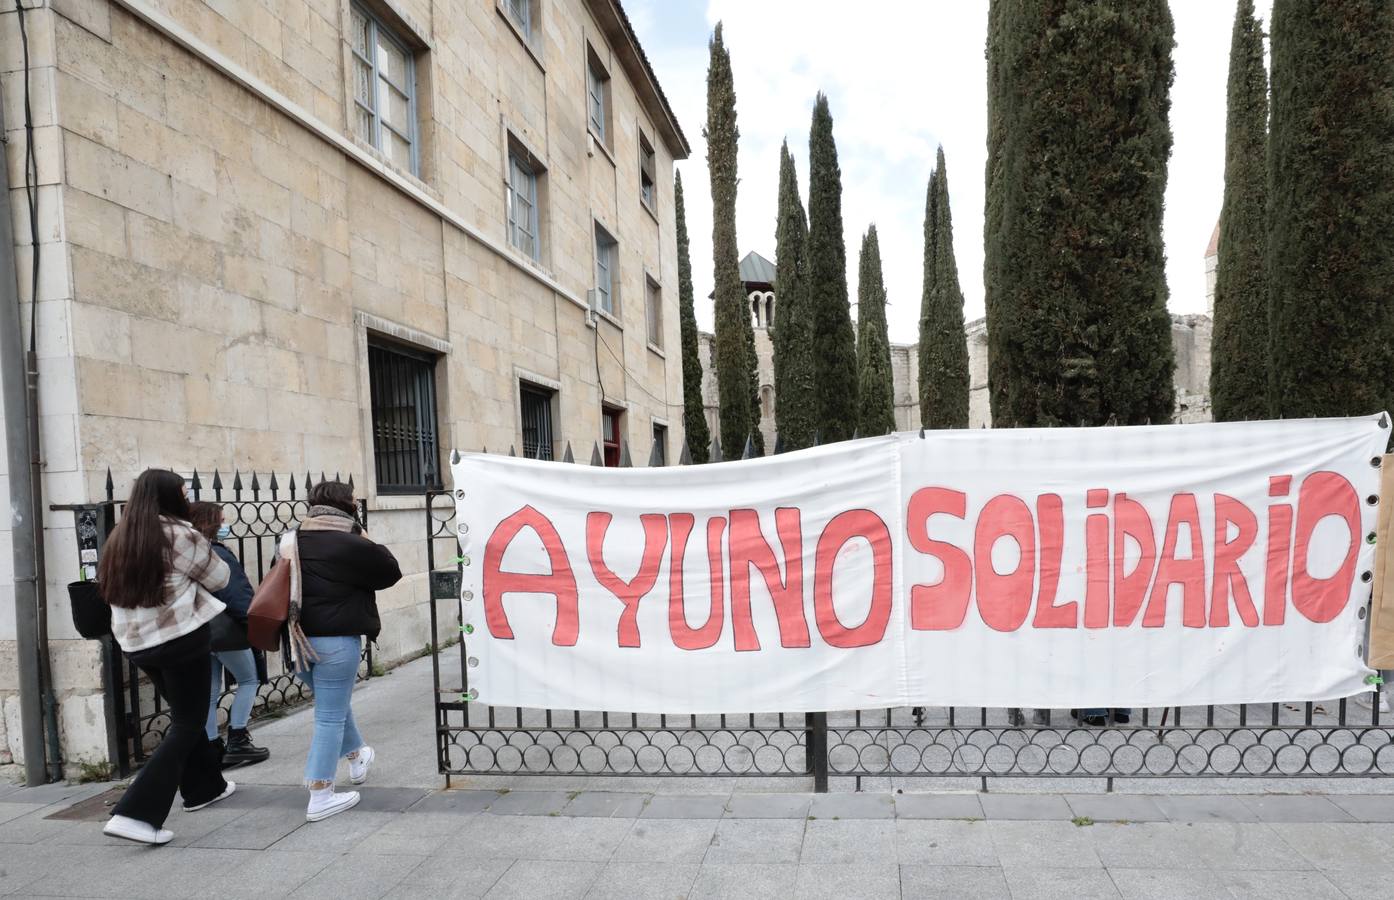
(158, 574)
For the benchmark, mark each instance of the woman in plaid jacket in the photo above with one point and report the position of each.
(158, 574)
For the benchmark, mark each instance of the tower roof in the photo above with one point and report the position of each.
(755, 269)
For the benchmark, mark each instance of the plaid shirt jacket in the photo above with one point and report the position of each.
(195, 571)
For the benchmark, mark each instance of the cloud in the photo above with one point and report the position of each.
(900, 82)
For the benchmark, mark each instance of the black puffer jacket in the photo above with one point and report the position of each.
(339, 572)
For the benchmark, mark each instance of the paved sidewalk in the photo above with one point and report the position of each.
(700, 838)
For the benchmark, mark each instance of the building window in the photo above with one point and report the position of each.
(653, 311)
(384, 90)
(597, 97)
(660, 445)
(402, 383)
(647, 192)
(520, 11)
(536, 404)
(606, 260)
(610, 434)
(522, 205)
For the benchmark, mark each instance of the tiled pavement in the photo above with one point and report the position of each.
(410, 842)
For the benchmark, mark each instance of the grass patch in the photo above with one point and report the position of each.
(88, 772)
(1082, 821)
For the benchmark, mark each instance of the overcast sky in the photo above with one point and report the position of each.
(900, 83)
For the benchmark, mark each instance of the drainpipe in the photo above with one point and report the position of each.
(19, 386)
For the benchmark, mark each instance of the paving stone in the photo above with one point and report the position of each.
(538, 879)
(255, 830)
(747, 881)
(413, 834)
(33, 828)
(865, 841)
(1371, 883)
(938, 806)
(1145, 845)
(1367, 807)
(1185, 808)
(927, 882)
(606, 805)
(538, 837)
(1042, 883)
(1115, 807)
(667, 840)
(1295, 808)
(696, 806)
(1338, 846)
(386, 799)
(1026, 807)
(756, 840)
(1282, 885)
(643, 881)
(338, 834)
(1042, 845)
(529, 803)
(768, 806)
(838, 882)
(358, 875)
(1171, 883)
(271, 873)
(450, 876)
(10, 811)
(852, 806)
(48, 794)
(465, 803)
(1245, 846)
(944, 843)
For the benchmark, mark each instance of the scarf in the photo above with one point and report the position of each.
(318, 518)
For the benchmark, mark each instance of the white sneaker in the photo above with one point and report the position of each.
(135, 830)
(227, 792)
(359, 765)
(326, 803)
(1386, 705)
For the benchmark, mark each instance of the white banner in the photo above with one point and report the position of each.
(1053, 568)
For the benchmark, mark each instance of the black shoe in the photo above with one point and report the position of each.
(1122, 718)
(241, 751)
(1095, 721)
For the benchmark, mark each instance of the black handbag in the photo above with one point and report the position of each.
(226, 633)
(91, 614)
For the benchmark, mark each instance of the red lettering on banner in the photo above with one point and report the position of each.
(1324, 494)
(1050, 516)
(1188, 572)
(844, 527)
(560, 582)
(1130, 519)
(685, 637)
(942, 606)
(1005, 600)
(749, 548)
(1229, 578)
(1279, 558)
(1096, 569)
(635, 589)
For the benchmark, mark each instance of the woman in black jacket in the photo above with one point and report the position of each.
(338, 569)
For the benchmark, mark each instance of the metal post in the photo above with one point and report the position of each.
(818, 750)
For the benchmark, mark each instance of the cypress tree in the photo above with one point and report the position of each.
(793, 335)
(694, 416)
(1080, 173)
(732, 318)
(834, 353)
(752, 364)
(999, 314)
(875, 390)
(1239, 349)
(1331, 208)
(943, 345)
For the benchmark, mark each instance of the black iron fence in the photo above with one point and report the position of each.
(1341, 738)
(257, 512)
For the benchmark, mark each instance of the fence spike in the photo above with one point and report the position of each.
(309, 482)
(322, 479)
(596, 459)
(454, 458)
(110, 485)
(715, 455)
(1384, 420)
(256, 486)
(512, 451)
(217, 485)
(748, 451)
(778, 444)
(274, 487)
(292, 485)
(568, 456)
(655, 460)
(236, 484)
(625, 461)
(921, 432)
(817, 437)
(685, 454)
(195, 484)
(350, 481)
(856, 434)
(337, 478)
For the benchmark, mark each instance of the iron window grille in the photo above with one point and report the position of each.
(537, 422)
(610, 427)
(522, 207)
(660, 445)
(384, 90)
(406, 453)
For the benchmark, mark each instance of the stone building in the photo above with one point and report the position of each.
(332, 235)
(1190, 339)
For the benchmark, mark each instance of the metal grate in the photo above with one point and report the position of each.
(405, 452)
(537, 423)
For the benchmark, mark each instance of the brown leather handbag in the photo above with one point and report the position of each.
(266, 618)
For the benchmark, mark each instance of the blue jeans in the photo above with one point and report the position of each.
(243, 669)
(332, 678)
(1096, 711)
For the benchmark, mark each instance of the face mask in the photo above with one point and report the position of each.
(225, 532)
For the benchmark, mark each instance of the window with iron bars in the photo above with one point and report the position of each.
(406, 454)
(536, 404)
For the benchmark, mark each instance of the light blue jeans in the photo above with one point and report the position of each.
(332, 678)
(244, 671)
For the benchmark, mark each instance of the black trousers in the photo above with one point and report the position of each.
(185, 760)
